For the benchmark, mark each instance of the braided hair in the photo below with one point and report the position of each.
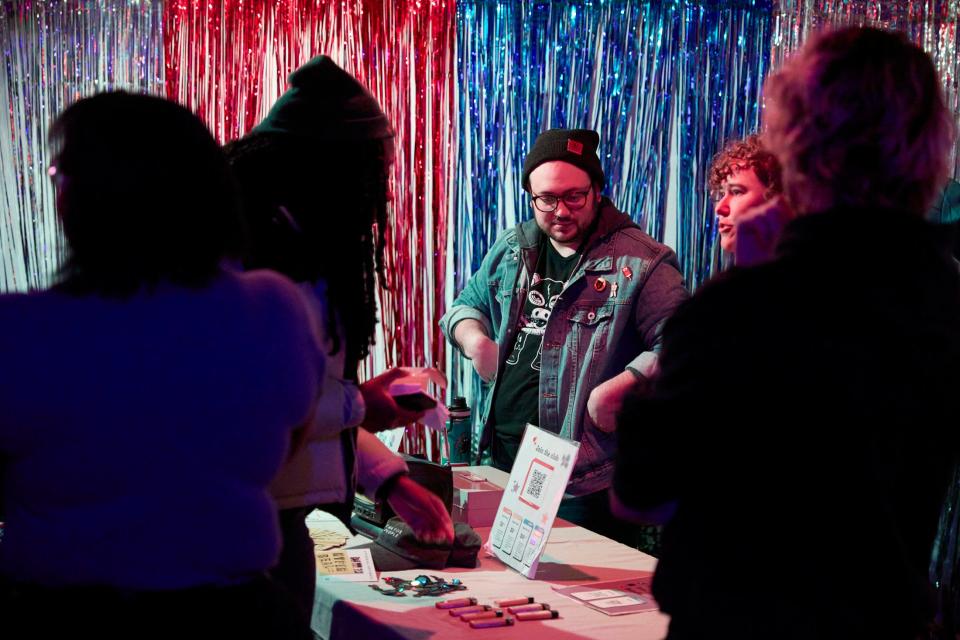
(314, 215)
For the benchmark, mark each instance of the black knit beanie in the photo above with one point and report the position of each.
(575, 146)
(326, 103)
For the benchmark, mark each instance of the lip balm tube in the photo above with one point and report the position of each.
(492, 622)
(477, 608)
(482, 615)
(457, 602)
(536, 606)
(538, 615)
(514, 601)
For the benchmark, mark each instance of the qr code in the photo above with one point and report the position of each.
(535, 485)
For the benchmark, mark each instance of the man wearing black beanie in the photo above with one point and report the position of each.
(564, 318)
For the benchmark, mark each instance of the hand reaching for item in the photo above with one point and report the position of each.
(382, 411)
(422, 510)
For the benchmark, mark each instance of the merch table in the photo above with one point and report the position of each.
(572, 556)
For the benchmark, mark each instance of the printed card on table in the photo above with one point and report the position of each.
(531, 498)
(352, 565)
(615, 597)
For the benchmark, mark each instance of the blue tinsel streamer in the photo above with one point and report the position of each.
(665, 84)
(725, 49)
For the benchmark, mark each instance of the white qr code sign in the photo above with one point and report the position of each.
(531, 498)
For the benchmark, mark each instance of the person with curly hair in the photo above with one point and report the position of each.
(742, 176)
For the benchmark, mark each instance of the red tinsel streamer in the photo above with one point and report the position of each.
(228, 60)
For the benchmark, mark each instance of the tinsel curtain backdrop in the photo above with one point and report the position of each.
(468, 86)
(664, 83)
(229, 61)
(53, 54)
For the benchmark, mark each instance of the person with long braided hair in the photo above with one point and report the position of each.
(314, 175)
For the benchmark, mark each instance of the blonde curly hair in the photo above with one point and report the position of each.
(857, 119)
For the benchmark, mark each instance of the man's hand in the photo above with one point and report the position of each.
(477, 345)
(606, 399)
(758, 231)
(422, 510)
(484, 353)
(382, 411)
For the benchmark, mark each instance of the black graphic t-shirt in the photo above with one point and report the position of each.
(517, 400)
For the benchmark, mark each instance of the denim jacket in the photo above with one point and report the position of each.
(595, 331)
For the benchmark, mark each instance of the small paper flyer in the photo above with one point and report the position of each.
(615, 597)
(352, 565)
(531, 498)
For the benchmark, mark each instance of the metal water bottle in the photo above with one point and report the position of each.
(459, 430)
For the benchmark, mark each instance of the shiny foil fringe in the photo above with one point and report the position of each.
(55, 52)
(665, 84)
(229, 60)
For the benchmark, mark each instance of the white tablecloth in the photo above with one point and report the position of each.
(573, 555)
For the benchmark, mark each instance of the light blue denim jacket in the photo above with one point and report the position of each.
(590, 337)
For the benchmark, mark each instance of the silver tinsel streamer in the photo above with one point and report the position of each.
(932, 24)
(55, 52)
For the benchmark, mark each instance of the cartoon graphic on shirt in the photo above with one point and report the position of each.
(543, 295)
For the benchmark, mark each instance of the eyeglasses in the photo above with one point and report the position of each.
(573, 200)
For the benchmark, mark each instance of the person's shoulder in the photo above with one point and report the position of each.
(619, 226)
(17, 299)
(29, 321)
(283, 309)
(634, 241)
(509, 237)
(264, 282)
(738, 281)
(732, 297)
(272, 290)
(19, 306)
(13, 307)
(505, 244)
